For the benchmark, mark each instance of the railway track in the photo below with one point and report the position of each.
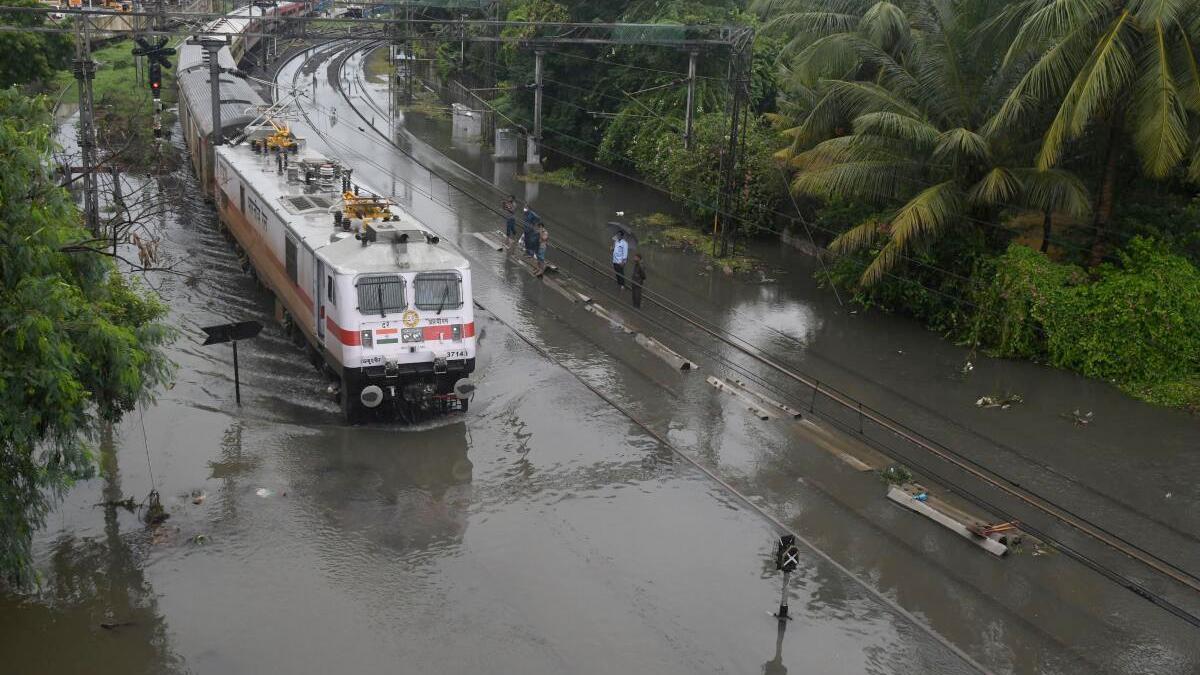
(1057, 514)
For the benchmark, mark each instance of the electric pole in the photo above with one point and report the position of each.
(85, 72)
(727, 200)
(533, 151)
(688, 120)
(213, 45)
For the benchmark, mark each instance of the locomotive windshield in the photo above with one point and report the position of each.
(381, 293)
(438, 291)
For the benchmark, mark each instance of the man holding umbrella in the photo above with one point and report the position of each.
(619, 256)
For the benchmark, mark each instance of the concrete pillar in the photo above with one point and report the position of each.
(506, 143)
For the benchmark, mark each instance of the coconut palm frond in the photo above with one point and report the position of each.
(1112, 68)
(962, 144)
(820, 123)
(1194, 165)
(1160, 133)
(1004, 25)
(927, 214)
(997, 187)
(830, 57)
(824, 154)
(860, 97)
(885, 25)
(876, 181)
(857, 238)
(1189, 84)
(889, 124)
(811, 24)
(1149, 12)
(1055, 190)
(1049, 76)
(885, 261)
(1051, 23)
(1105, 74)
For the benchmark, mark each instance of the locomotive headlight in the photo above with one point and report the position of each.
(410, 334)
(367, 340)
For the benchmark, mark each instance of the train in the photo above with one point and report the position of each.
(381, 302)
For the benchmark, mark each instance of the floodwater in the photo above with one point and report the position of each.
(548, 530)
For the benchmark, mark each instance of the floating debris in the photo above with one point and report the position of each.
(1081, 419)
(198, 497)
(110, 625)
(966, 368)
(263, 492)
(155, 513)
(199, 539)
(1003, 401)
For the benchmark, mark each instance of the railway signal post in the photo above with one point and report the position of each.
(232, 332)
(787, 559)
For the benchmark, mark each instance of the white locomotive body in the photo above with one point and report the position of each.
(375, 295)
(374, 292)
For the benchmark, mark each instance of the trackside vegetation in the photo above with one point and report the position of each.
(80, 343)
(1019, 176)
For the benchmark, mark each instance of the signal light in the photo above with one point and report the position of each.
(155, 78)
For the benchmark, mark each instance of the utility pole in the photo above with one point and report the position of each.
(85, 72)
(533, 151)
(727, 201)
(691, 100)
(118, 205)
(213, 45)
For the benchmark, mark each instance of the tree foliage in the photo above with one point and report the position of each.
(27, 57)
(79, 342)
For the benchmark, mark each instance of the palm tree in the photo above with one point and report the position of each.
(898, 124)
(1120, 69)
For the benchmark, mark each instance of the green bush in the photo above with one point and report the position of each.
(1134, 324)
(1009, 310)
(1137, 324)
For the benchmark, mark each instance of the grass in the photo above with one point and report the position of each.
(1184, 394)
(377, 67)
(116, 74)
(665, 230)
(568, 177)
(426, 103)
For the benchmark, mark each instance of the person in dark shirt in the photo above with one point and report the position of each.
(530, 234)
(639, 278)
(509, 207)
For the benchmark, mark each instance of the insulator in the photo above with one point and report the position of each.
(278, 164)
(337, 219)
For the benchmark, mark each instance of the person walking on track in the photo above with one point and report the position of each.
(543, 242)
(509, 208)
(530, 234)
(619, 256)
(639, 278)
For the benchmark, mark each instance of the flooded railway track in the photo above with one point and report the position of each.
(987, 477)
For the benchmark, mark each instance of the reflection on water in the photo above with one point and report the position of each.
(94, 595)
(404, 491)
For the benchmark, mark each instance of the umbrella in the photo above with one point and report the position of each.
(615, 227)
